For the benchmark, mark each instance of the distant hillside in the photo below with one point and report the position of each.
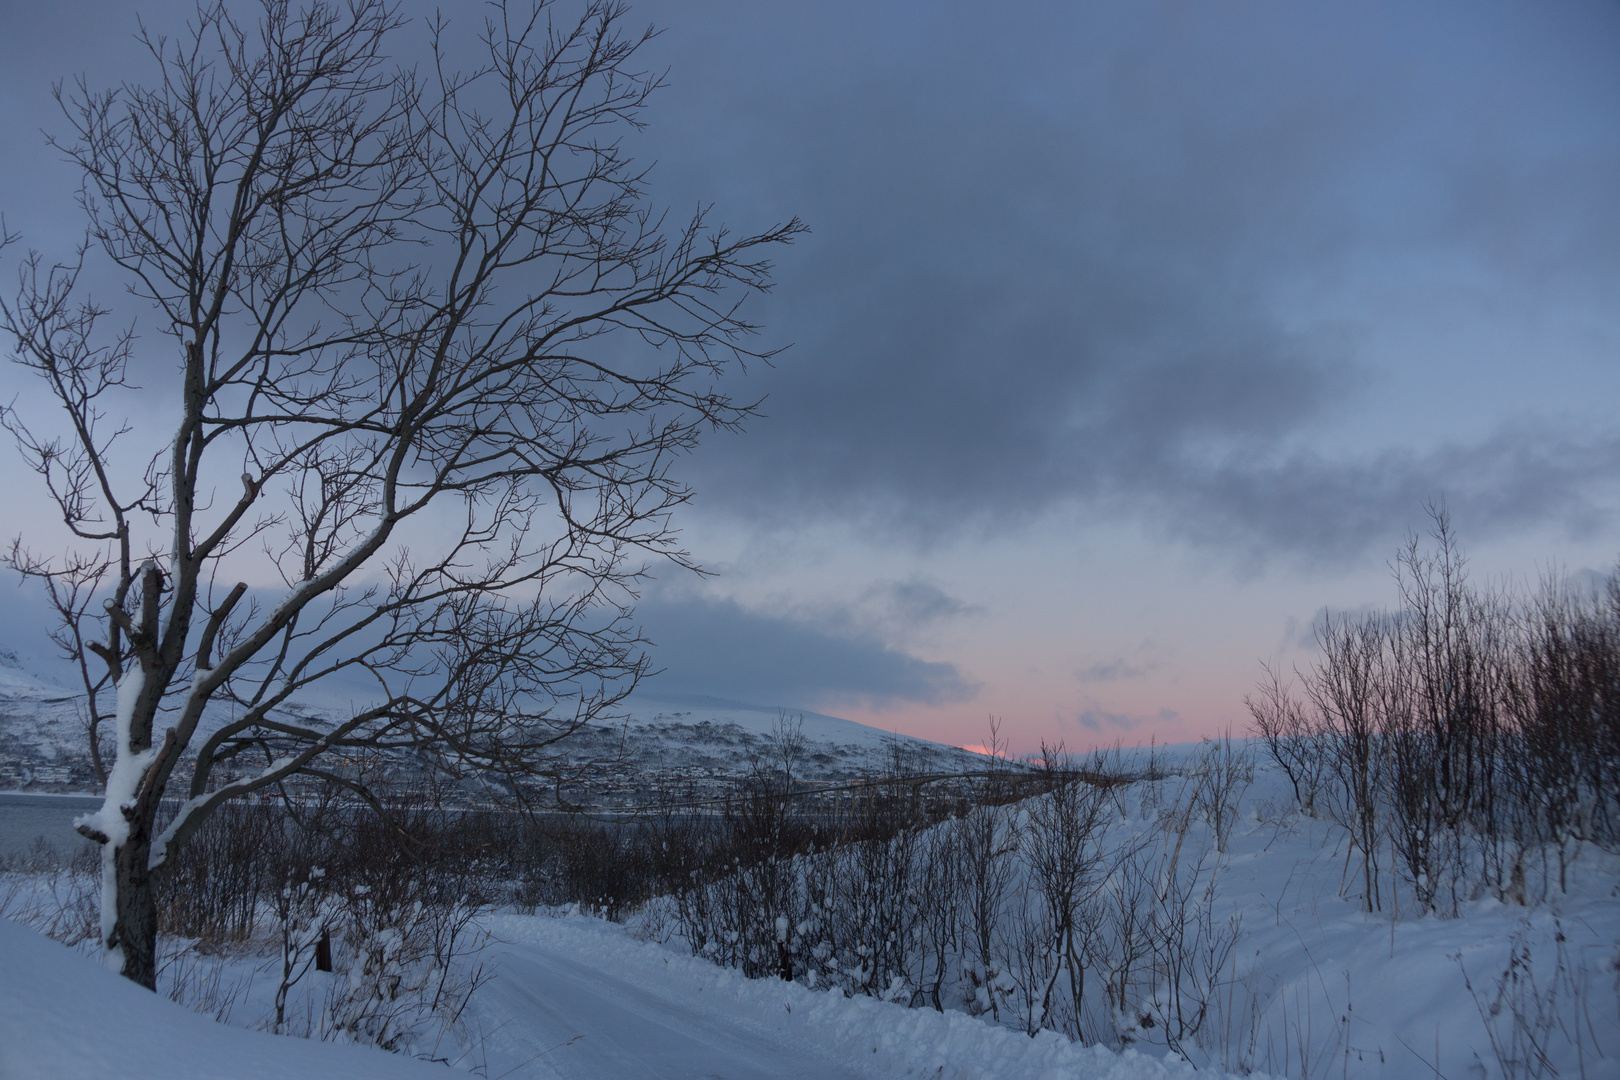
(675, 738)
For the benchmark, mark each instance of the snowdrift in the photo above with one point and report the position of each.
(65, 1017)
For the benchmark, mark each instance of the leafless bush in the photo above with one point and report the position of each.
(1224, 772)
(940, 916)
(406, 970)
(987, 846)
(213, 890)
(307, 914)
(1566, 777)
(1063, 848)
(1026, 956)
(55, 896)
(1541, 1023)
(1295, 743)
(1472, 735)
(385, 904)
(1125, 939)
(198, 981)
(1188, 948)
(1344, 693)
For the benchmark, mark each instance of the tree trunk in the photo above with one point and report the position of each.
(134, 930)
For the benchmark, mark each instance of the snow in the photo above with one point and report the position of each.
(65, 1017)
(1315, 987)
(694, 709)
(1388, 997)
(41, 725)
(595, 1002)
(123, 782)
(722, 736)
(572, 998)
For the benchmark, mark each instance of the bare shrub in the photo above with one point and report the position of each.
(1540, 1022)
(1225, 773)
(1186, 945)
(1344, 693)
(1473, 735)
(213, 891)
(58, 897)
(987, 846)
(940, 910)
(1123, 945)
(1063, 848)
(1295, 743)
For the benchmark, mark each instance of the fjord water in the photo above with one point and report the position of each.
(26, 818)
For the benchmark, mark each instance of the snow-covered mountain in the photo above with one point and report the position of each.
(679, 738)
(42, 737)
(697, 735)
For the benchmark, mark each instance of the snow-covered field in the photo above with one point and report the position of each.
(570, 997)
(1313, 986)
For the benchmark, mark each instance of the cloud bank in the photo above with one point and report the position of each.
(718, 647)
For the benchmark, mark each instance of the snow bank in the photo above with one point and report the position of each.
(65, 1017)
(867, 1036)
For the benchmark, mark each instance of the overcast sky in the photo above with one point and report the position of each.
(1127, 337)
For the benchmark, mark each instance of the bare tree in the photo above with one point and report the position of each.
(987, 845)
(1345, 693)
(1294, 742)
(428, 320)
(1063, 847)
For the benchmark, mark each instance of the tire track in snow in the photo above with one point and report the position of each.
(559, 1017)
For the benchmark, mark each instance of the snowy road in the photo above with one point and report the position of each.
(560, 1016)
(578, 999)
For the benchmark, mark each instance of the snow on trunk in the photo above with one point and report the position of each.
(110, 821)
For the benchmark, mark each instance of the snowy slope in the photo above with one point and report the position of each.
(65, 1017)
(42, 726)
(42, 740)
(571, 998)
(41, 732)
(1315, 987)
(1322, 988)
(694, 732)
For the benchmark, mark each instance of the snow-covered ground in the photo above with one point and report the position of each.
(570, 998)
(1314, 986)
(579, 998)
(64, 1016)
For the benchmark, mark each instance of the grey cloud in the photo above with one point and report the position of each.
(719, 648)
(905, 606)
(1298, 636)
(1050, 240)
(1148, 656)
(1589, 582)
(1114, 670)
(1518, 476)
(1099, 720)
(1048, 251)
